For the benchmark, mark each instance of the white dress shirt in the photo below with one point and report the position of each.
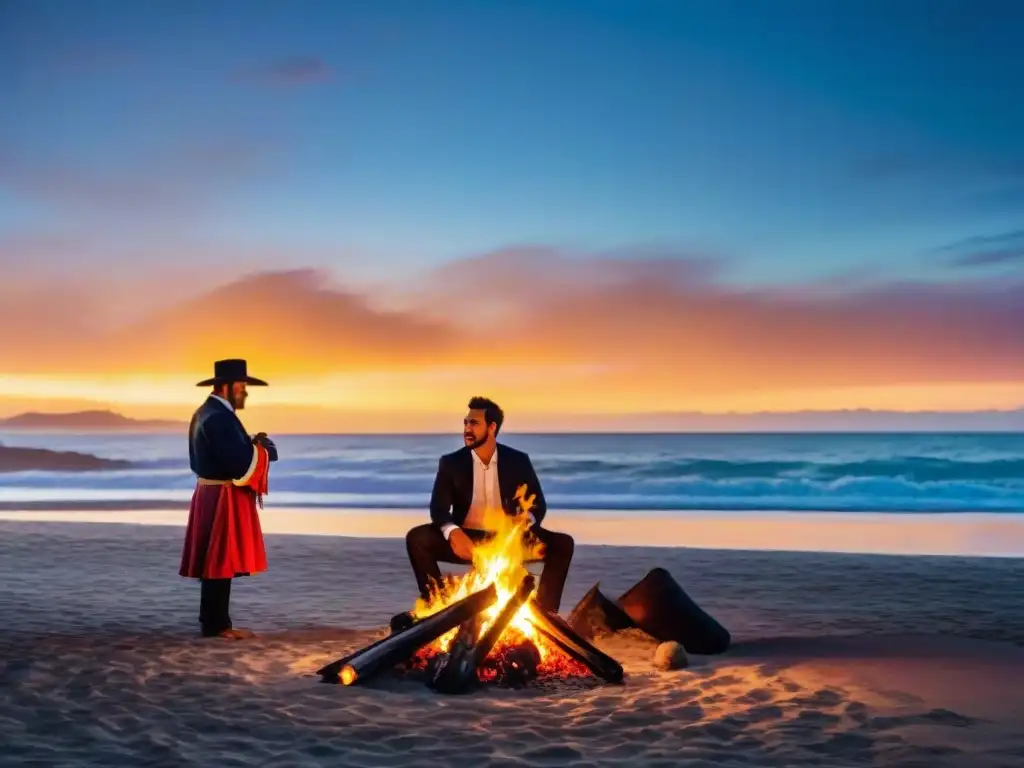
(486, 495)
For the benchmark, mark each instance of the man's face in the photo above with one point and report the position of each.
(237, 395)
(475, 430)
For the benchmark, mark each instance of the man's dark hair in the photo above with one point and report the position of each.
(492, 411)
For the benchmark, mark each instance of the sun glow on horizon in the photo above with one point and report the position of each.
(427, 400)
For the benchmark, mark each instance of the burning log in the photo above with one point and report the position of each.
(330, 672)
(399, 623)
(555, 629)
(514, 665)
(483, 628)
(457, 670)
(401, 645)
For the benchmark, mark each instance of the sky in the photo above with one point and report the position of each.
(594, 207)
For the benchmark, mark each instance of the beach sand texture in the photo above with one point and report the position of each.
(839, 660)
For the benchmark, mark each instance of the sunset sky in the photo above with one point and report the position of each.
(582, 208)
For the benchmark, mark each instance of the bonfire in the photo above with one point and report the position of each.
(485, 626)
(522, 652)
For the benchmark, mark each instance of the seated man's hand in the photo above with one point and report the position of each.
(461, 544)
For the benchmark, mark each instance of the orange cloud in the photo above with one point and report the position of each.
(296, 322)
(667, 324)
(547, 330)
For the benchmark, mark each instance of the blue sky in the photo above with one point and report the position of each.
(800, 141)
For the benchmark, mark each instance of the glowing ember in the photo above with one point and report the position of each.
(521, 652)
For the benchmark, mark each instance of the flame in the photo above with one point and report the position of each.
(501, 561)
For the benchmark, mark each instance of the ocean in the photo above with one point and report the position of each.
(897, 473)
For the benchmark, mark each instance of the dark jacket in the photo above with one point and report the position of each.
(218, 446)
(452, 495)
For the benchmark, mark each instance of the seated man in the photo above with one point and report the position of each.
(470, 482)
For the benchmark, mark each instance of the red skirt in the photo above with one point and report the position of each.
(223, 538)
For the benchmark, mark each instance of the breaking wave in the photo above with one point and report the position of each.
(883, 473)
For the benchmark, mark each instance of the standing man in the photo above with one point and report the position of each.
(223, 538)
(470, 483)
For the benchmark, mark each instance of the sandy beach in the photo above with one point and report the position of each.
(976, 534)
(838, 660)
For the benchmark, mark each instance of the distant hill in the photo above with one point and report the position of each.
(87, 421)
(17, 459)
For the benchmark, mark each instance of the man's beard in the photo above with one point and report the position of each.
(476, 443)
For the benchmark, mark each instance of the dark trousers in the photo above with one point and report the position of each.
(214, 602)
(427, 547)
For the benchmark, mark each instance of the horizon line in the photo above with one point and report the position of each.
(583, 414)
(874, 430)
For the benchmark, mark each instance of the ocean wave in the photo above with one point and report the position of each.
(745, 472)
(913, 468)
(848, 493)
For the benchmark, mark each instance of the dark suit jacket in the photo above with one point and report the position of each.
(453, 486)
(218, 446)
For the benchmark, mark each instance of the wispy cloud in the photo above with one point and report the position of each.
(984, 250)
(649, 333)
(515, 279)
(974, 182)
(285, 72)
(1008, 196)
(962, 182)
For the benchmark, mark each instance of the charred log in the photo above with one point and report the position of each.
(458, 670)
(555, 629)
(331, 672)
(512, 666)
(402, 645)
(399, 623)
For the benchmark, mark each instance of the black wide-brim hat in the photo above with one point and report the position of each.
(225, 371)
